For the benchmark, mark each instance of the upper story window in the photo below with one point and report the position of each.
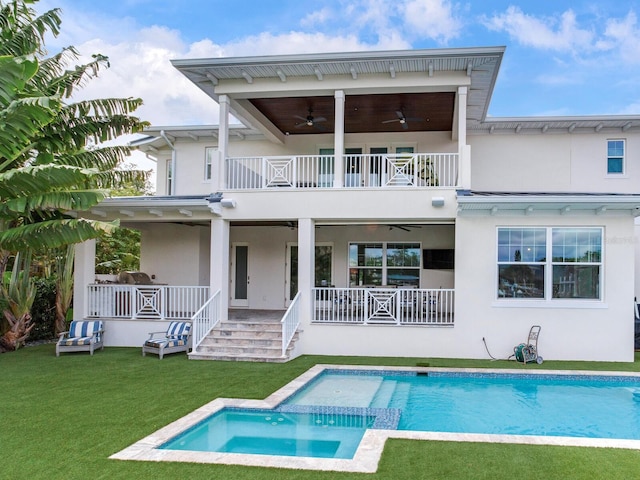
(169, 177)
(208, 162)
(550, 263)
(615, 157)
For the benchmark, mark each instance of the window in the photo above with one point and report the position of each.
(577, 262)
(549, 263)
(169, 177)
(209, 153)
(615, 157)
(384, 264)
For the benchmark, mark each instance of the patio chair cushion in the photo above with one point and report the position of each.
(178, 331)
(76, 341)
(79, 330)
(167, 342)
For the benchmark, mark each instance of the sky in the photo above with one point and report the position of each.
(579, 57)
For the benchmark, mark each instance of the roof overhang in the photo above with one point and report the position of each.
(609, 124)
(158, 208)
(471, 203)
(245, 80)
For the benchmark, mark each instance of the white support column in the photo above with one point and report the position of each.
(338, 148)
(84, 273)
(306, 265)
(463, 150)
(219, 182)
(219, 263)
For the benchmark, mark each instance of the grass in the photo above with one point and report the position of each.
(61, 418)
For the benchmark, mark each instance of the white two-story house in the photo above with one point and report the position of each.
(367, 204)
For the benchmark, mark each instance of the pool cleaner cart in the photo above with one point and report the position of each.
(528, 352)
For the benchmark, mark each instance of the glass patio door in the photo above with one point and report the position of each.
(323, 269)
(239, 288)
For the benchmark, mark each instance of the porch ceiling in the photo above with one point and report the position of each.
(363, 113)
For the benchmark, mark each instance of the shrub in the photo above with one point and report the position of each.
(44, 309)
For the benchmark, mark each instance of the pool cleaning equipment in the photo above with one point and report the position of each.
(528, 352)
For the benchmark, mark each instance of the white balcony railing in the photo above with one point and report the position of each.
(391, 306)
(360, 171)
(145, 301)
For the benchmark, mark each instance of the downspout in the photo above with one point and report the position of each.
(173, 162)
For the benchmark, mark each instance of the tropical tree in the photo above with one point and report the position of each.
(52, 158)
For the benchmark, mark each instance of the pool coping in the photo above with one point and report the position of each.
(369, 451)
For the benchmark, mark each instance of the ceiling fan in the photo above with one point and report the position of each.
(403, 120)
(309, 120)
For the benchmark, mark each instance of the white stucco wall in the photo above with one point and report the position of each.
(551, 163)
(570, 329)
(177, 254)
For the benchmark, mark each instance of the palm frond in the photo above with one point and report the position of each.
(53, 233)
(23, 32)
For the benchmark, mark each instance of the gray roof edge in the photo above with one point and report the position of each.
(329, 57)
(568, 119)
(468, 196)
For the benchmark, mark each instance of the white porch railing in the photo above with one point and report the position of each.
(205, 319)
(360, 171)
(145, 301)
(390, 306)
(290, 322)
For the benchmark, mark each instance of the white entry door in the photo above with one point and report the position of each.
(239, 288)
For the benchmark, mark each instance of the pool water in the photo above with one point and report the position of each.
(553, 405)
(269, 432)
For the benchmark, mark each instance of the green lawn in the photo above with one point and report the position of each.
(61, 418)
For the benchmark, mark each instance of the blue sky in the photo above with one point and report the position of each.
(563, 57)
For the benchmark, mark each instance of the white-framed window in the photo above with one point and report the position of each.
(615, 156)
(209, 153)
(384, 263)
(549, 263)
(169, 165)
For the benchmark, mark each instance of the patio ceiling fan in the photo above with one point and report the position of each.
(403, 120)
(310, 120)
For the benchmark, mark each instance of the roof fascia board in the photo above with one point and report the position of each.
(340, 57)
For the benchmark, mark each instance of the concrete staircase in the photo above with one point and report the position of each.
(248, 335)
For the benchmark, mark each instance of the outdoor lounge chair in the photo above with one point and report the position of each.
(177, 338)
(83, 336)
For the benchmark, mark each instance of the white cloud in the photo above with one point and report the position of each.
(317, 17)
(556, 34)
(433, 19)
(623, 35)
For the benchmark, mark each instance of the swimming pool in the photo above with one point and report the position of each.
(338, 418)
(496, 403)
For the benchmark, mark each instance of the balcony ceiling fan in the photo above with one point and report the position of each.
(403, 120)
(310, 120)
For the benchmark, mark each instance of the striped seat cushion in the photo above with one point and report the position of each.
(75, 341)
(82, 329)
(167, 342)
(178, 330)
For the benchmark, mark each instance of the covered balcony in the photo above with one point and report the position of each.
(408, 170)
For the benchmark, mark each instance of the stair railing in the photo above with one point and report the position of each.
(290, 322)
(204, 320)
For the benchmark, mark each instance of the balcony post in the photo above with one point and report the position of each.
(338, 148)
(219, 180)
(464, 160)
